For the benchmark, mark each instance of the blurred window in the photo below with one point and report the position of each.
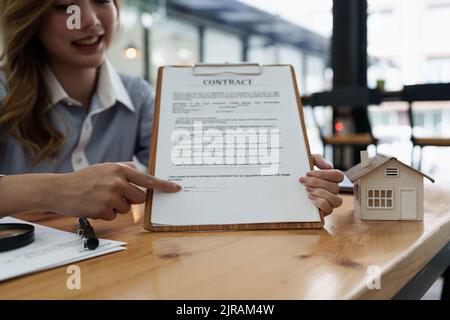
(222, 47)
(174, 42)
(315, 74)
(130, 37)
(262, 50)
(438, 70)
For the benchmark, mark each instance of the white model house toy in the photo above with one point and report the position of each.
(387, 189)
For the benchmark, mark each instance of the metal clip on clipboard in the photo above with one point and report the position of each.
(246, 69)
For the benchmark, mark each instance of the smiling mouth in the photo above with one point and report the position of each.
(91, 41)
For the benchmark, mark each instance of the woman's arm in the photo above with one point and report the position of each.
(24, 193)
(99, 191)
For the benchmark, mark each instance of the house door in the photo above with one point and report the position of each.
(408, 204)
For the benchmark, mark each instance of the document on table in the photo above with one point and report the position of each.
(51, 248)
(235, 143)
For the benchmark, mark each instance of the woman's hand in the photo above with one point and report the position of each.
(103, 190)
(323, 185)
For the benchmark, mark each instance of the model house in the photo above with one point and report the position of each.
(387, 189)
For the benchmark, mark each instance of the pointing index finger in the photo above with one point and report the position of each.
(150, 182)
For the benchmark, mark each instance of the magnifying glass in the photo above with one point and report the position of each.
(15, 235)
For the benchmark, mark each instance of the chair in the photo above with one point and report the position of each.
(351, 97)
(425, 92)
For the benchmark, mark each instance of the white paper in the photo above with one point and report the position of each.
(52, 248)
(260, 187)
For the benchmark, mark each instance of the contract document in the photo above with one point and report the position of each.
(234, 138)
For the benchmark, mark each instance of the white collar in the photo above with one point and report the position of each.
(110, 88)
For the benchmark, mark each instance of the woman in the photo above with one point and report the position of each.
(70, 125)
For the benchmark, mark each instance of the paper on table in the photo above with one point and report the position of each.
(222, 192)
(52, 248)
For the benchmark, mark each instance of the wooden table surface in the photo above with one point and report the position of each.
(329, 263)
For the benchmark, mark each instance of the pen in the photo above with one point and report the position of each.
(86, 231)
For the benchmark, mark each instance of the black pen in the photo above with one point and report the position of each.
(86, 231)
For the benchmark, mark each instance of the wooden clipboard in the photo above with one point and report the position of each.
(148, 225)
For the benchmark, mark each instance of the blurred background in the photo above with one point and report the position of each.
(373, 74)
(362, 66)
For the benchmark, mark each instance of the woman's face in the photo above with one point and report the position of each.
(82, 47)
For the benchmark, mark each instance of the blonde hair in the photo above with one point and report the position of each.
(25, 112)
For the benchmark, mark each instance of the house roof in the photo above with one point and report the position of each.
(358, 171)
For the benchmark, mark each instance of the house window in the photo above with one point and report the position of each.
(380, 199)
(391, 172)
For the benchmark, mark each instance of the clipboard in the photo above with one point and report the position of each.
(212, 70)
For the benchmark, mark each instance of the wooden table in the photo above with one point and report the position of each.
(330, 263)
